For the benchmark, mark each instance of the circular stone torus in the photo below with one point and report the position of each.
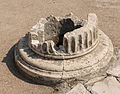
(84, 49)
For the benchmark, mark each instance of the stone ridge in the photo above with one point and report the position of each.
(58, 70)
(39, 58)
(79, 41)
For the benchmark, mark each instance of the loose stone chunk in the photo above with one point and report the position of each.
(94, 80)
(52, 29)
(78, 89)
(114, 70)
(108, 86)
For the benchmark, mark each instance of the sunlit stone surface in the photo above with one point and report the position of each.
(59, 49)
(108, 86)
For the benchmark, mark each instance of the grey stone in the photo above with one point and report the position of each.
(52, 29)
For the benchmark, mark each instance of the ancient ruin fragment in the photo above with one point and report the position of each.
(62, 48)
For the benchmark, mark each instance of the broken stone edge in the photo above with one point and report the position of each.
(46, 76)
(75, 44)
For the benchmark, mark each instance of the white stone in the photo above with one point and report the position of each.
(92, 19)
(114, 70)
(34, 42)
(96, 79)
(108, 86)
(40, 63)
(39, 25)
(78, 89)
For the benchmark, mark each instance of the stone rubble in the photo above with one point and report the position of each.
(115, 70)
(70, 54)
(78, 89)
(108, 86)
(94, 80)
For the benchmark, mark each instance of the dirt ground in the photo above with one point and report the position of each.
(18, 16)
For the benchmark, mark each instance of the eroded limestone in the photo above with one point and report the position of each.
(64, 51)
(78, 89)
(108, 86)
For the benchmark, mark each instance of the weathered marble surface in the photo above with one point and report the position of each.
(85, 54)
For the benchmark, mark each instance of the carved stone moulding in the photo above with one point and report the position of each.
(81, 39)
(61, 48)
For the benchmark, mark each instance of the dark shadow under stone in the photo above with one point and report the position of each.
(67, 26)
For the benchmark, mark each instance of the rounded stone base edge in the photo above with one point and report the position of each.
(32, 75)
(51, 81)
(52, 78)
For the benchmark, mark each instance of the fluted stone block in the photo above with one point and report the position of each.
(62, 48)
